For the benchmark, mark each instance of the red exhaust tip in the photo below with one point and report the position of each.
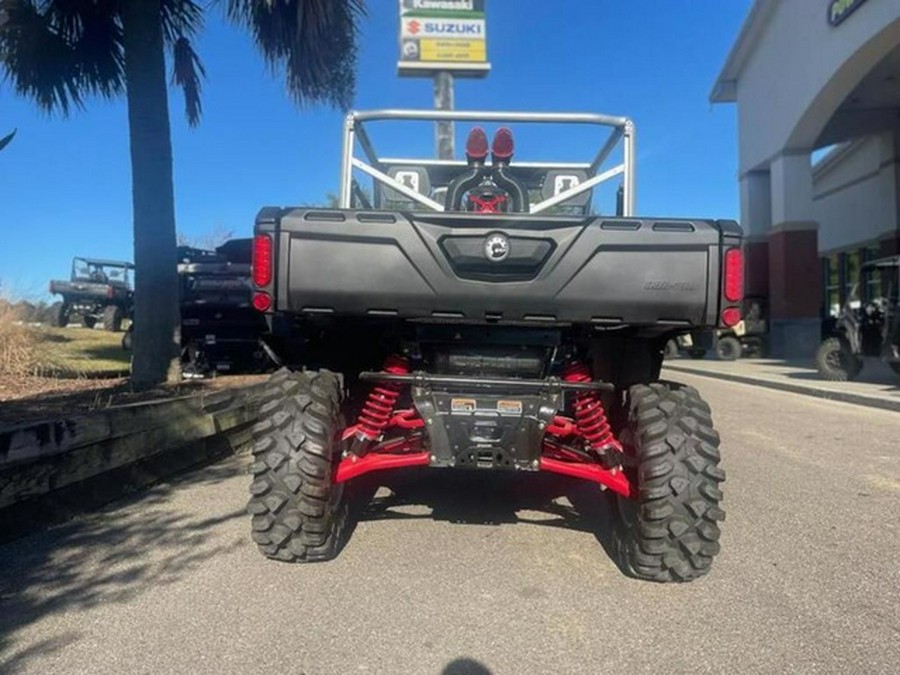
(503, 146)
(476, 145)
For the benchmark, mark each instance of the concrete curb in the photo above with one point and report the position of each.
(842, 396)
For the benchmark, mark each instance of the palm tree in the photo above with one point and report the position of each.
(59, 52)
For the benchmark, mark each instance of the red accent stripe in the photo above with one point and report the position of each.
(353, 466)
(615, 481)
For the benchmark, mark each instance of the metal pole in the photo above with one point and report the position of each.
(443, 100)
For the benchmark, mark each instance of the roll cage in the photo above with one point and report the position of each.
(440, 172)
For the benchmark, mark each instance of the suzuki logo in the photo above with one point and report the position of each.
(414, 27)
(496, 247)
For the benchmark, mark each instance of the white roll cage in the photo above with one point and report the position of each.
(622, 133)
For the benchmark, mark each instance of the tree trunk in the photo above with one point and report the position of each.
(157, 327)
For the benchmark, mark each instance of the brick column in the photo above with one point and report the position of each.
(756, 219)
(795, 284)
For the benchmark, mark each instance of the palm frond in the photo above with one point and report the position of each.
(57, 51)
(7, 139)
(312, 41)
(38, 60)
(187, 73)
(180, 18)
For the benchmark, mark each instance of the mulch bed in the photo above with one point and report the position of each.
(26, 400)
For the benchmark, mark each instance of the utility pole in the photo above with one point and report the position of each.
(443, 100)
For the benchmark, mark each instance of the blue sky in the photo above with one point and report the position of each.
(65, 183)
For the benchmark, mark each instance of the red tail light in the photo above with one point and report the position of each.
(731, 317)
(503, 145)
(262, 260)
(262, 301)
(734, 275)
(476, 145)
(110, 292)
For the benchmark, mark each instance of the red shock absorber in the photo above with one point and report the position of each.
(379, 406)
(590, 416)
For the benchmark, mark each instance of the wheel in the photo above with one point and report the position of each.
(60, 317)
(670, 532)
(88, 321)
(112, 318)
(728, 348)
(895, 366)
(671, 350)
(835, 362)
(298, 513)
(696, 352)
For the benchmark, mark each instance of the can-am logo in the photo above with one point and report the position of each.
(459, 5)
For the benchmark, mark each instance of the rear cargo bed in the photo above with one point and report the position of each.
(599, 270)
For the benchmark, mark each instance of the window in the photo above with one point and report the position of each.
(851, 275)
(873, 287)
(831, 272)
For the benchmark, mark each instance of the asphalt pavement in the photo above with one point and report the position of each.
(453, 573)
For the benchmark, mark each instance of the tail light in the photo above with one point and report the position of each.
(731, 317)
(734, 275)
(262, 302)
(476, 145)
(262, 260)
(503, 145)
(110, 292)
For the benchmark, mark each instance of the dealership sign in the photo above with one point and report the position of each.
(838, 10)
(443, 35)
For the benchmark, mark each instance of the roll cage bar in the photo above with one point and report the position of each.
(622, 133)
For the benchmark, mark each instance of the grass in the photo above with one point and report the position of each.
(83, 351)
(29, 351)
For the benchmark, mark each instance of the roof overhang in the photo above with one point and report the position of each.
(725, 88)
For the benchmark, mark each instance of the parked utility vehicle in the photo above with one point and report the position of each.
(97, 290)
(479, 314)
(870, 328)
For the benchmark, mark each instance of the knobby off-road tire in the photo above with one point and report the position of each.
(728, 348)
(112, 318)
(60, 317)
(88, 321)
(298, 513)
(836, 362)
(671, 531)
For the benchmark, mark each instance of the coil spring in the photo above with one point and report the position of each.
(380, 403)
(590, 415)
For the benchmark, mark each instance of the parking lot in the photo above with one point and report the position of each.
(453, 573)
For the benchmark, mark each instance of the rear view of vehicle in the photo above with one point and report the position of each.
(220, 330)
(481, 315)
(97, 291)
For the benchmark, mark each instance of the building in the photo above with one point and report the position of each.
(817, 88)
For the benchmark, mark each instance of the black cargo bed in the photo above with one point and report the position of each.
(601, 270)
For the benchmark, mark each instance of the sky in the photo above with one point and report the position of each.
(65, 184)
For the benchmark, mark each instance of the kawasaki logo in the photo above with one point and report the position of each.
(459, 5)
(838, 10)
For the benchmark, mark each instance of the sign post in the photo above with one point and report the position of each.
(443, 39)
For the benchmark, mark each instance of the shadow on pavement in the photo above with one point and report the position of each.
(488, 498)
(99, 560)
(465, 666)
